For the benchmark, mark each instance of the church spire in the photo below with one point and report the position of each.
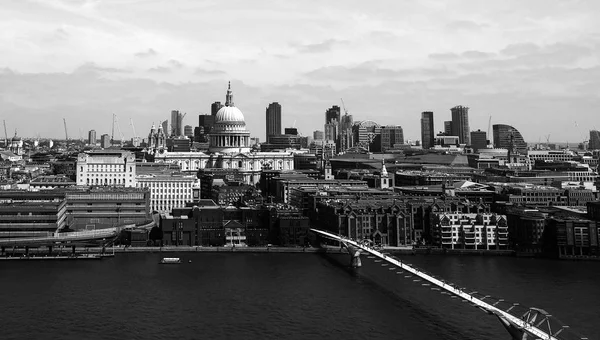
(229, 96)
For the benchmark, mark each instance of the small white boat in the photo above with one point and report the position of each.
(170, 260)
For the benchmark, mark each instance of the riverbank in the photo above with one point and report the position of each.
(187, 249)
(472, 252)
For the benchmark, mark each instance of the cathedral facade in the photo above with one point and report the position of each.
(229, 148)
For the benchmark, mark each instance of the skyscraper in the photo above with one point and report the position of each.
(594, 140)
(333, 114)
(273, 119)
(448, 128)
(427, 130)
(390, 136)
(176, 123)
(318, 135)
(332, 122)
(460, 124)
(478, 140)
(507, 137)
(92, 137)
(215, 107)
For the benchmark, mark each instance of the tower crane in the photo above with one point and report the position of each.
(5, 135)
(119, 128)
(66, 133)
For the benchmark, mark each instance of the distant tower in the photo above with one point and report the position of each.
(460, 124)
(478, 140)
(328, 171)
(176, 121)
(427, 130)
(384, 179)
(448, 128)
(273, 120)
(215, 107)
(188, 131)
(92, 137)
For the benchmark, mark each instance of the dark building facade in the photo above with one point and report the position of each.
(507, 137)
(215, 107)
(390, 136)
(427, 130)
(594, 140)
(273, 120)
(460, 124)
(478, 140)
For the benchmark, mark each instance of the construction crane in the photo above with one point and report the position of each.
(489, 138)
(136, 138)
(5, 135)
(118, 128)
(66, 133)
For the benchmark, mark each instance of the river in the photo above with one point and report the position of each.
(279, 296)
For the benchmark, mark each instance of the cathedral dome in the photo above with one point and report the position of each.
(230, 114)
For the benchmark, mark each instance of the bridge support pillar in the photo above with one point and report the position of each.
(49, 250)
(515, 331)
(355, 260)
(26, 251)
(73, 250)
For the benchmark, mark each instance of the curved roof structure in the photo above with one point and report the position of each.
(505, 136)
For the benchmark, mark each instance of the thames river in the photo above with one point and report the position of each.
(281, 296)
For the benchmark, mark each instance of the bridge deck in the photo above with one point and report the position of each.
(529, 322)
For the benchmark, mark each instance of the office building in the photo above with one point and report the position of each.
(273, 120)
(215, 107)
(333, 115)
(507, 137)
(448, 128)
(318, 135)
(92, 137)
(427, 130)
(478, 140)
(169, 190)
(107, 168)
(594, 140)
(391, 136)
(460, 124)
(188, 131)
(176, 123)
(105, 141)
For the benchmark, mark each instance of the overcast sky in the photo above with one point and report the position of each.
(532, 64)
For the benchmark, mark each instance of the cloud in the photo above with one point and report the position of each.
(148, 53)
(160, 69)
(204, 72)
(465, 25)
(175, 64)
(324, 46)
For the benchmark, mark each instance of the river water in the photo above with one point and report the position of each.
(280, 296)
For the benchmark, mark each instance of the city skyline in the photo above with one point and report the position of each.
(520, 63)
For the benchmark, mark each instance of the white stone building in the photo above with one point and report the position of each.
(168, 191)
(106, 168)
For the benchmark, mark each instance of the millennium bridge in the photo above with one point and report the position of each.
(521, 322)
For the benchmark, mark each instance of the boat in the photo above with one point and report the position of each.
(170, 260)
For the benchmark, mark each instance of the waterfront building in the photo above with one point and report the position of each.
(229, 133)
(470, 231)
(384, 222)
(391, 137)
(106, 207)
(33, 218)
(107, 167)
(525, 228)
(507, 137)
(460, 124)
(427, 130)
(273, 120)
(92, 137)
(478, 140)
(169, 190)
(572, 237)
(594, 140)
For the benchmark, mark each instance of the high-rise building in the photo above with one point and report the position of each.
(460, 124)
(188, 131)
(346, 137)
(318, 135)
(390, 136)
(507, 137)
(332, 122)
(176, 123)
(165, 127)
(333, 114)
(92, 137)
(448, 128)
(594, 140)
(105, 141)
(273, 119)
(478, 140)
(215, 107)
(427, 130)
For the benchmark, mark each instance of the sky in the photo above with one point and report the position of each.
(532, 64)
